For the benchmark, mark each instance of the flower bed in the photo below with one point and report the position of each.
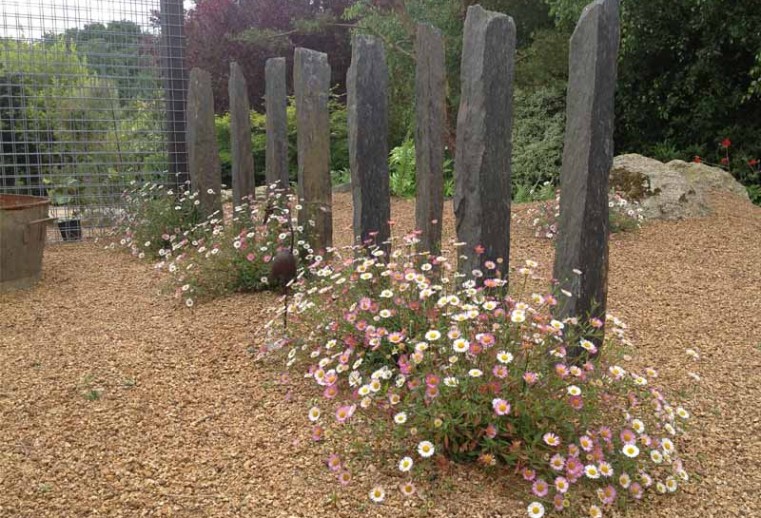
(405, 352)
(217, 255)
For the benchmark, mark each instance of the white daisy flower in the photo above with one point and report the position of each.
(405, 464)
(451, 381)
(591, 471)
(377, 494)
(425, 449)
(432, 335)
(630, 450)
(535, 510)
(461, 345)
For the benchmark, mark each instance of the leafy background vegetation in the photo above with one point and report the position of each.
(689, 78)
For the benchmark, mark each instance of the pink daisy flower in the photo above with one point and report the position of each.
(540, 488)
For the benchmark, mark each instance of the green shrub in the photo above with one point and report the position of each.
(538, 136)
(402, 169)
(339, 150)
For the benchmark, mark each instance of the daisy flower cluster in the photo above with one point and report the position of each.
(219, 254)
(624, 215)
(459, 367)
(151, 211)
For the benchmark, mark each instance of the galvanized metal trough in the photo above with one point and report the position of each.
(23, 221)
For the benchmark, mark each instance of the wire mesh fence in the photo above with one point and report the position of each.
(91, 99)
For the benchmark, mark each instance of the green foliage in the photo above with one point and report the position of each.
(65, 192)
(538, 136)
(523, 193)
(665, 151)
(339, 145)
(340, 176)
(152, 215)
(402, 169)
(687, 77)
(566, 12)
(74, 122)
(395, 25)
(754, 193)
(544, 63)
(121, 50)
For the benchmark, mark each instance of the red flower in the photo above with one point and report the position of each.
(697, 159)
(480, 249)
(726, 143)
(753, 162)
(724, 160)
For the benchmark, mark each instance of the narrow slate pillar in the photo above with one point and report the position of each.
(203, 155)
(311, 79)
(484, 147)
(367, 111)
(240, 136)
(430, 128)
(582, 242)
(276, 104)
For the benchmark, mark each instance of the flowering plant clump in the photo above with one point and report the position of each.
(447, 366)
(216, 255)
(153, 213)
(625, 215)
(219, 257)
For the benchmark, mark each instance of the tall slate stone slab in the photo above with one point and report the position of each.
(276, 104)
(240, 136)
(203, 155)
(367, 111)
(311, 79)
(484, 147)
(582, 242)
(430, 128)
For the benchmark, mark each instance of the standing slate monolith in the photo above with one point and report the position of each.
(430, 127)
(311, 79)
(484, 128)
(582, 242)
(240, 136)
(203, 155)
(276, 104)
(367, 112)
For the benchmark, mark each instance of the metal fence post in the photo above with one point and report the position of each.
(175, 87)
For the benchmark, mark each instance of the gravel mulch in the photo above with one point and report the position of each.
(116, 402)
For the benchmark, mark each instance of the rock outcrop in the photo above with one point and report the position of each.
(672, 191)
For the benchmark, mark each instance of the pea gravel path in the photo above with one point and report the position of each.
(115, 402)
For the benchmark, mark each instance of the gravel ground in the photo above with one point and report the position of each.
(115, 402)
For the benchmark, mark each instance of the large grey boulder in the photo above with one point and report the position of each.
(663, 192)
(706, 178)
